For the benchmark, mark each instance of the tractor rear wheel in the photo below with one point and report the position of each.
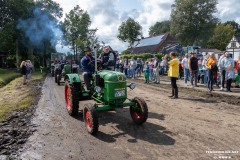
(90, 118)
(72, 98)
(139, 112)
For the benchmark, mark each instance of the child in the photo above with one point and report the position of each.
(237, 79)
(146, 72)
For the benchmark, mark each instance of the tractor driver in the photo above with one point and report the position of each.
(108, 58)
(87, 64)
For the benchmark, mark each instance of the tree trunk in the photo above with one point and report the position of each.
(30, 54)
(74, 48)
(75, 56)
(17, 54)
(44, 53)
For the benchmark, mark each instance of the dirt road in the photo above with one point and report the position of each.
(184, 129)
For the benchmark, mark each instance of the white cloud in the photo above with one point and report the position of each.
(229, 10)
(154, 11)
(107, 16)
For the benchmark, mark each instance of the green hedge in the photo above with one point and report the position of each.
(143, 56)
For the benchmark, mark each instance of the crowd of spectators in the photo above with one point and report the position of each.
(193, 69)
(211, 71)
(134, 68)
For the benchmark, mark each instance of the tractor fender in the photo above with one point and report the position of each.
(73, 78)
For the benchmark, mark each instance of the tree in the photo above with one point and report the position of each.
(159, 28)
(54, 12)
(130, 31)
(52, 8)
(127, 51)
(235, 26)
(76, 28)
(221, 37)
(193, 22)
(41, 29)
(10, 12)
(17, 18)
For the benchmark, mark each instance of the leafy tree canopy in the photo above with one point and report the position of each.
(235, 26)
(129, 31)
(221, 37)
(159, 28)
(192, 21)
(76, 29)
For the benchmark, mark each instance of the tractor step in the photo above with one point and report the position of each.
(85, 94)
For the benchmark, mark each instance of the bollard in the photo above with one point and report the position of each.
(41, 68)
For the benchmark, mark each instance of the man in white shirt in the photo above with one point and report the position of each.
(222, 69)
(185, 66)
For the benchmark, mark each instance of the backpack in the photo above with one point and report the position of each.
(214, 67)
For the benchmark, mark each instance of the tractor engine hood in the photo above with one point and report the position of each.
(112, 76)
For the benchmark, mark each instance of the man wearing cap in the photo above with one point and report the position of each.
(87, 64)
(108, 58)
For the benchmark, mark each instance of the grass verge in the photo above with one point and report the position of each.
(16, 96)
(7, 75)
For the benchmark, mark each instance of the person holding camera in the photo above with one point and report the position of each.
(108, 58)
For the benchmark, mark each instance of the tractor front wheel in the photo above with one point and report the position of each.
(90, 118)
(72, 98)
(139, 112)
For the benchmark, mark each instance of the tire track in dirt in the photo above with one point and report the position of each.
(60, 136)
(180, 129)
(196, 126)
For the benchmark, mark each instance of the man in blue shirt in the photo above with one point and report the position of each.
(87, 64)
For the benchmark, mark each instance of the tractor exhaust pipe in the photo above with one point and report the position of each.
(95, 57)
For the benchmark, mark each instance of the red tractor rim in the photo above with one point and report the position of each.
(137, 113)
(68, 97)
(88, 119)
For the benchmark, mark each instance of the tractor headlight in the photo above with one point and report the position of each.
(98, 89)
(132, 85)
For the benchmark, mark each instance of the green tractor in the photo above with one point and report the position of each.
(109, 91)
(62, 72)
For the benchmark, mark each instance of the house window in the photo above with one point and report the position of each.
(233, 45)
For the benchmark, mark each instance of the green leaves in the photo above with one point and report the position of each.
(221, 37)
(143, 56)
(192, 21)
(76, 28)
(159, 28)
(15, 40)
(50, 7)
(235, 26)
(130, 31)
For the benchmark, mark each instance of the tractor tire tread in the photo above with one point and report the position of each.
(75, 99)
(144, 108)
(93, 112)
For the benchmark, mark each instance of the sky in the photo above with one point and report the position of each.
(107, 15)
